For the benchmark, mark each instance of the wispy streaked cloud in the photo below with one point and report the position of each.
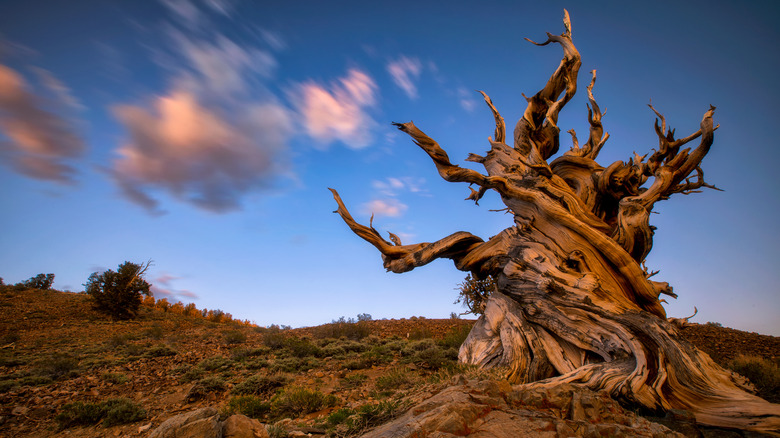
(405, 72)
(39, 141)
(338, 113)
(212, 137)
(199, 154)
(385, 207)
(466, 99)
(394, 186)
(162, 288)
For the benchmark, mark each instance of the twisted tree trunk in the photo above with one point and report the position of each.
(574, 302)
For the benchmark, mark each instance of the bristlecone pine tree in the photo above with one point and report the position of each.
(574, 302)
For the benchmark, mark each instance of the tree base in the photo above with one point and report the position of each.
(637, 357)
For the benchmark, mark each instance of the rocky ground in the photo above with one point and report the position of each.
(336, 380)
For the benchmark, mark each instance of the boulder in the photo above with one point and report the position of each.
(496, 409)
(202, 423)
(241, 426)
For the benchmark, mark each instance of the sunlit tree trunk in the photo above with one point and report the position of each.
(574, 302)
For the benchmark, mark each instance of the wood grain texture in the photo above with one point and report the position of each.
(574, 301)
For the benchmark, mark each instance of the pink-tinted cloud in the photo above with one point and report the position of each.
(197, 153)
(162, 288)
(215, 135)
(338, 113)
(385, 207)
(39, 142)
(404, 72)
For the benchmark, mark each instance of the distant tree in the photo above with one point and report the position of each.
(474, 293)
(364, 317)
(40, 281)
(119, 293)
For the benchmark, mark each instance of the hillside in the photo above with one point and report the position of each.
(57, 351)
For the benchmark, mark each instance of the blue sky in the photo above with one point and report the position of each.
(204, 134)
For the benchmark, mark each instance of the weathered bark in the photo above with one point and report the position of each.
(574, 302)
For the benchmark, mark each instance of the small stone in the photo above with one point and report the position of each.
(20, 410)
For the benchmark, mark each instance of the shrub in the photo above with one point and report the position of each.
(122, 411)
(393, 380)
(160, 350)
(118, 294)
(473, 293)
(249, 405)
(295, 402)
(343, 328)
(301, 348)
(455, 337)
(57, 366)
(79, 414)
(112, 412)
(40, 281)
(191, 310)
(420, 333)
(353, 381)
(115, 378)
(155, 331)
(260, 385)
(273, 336)
(762, 373)
(350, 422)
(233, 337)
(7, 385)
(216, 363)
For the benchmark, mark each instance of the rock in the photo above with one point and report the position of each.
(144, 428)
(20, 410)
(241, 426)
(202, 423)
(482, 409)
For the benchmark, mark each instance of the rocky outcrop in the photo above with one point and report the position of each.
(496, 409)
(204, 423)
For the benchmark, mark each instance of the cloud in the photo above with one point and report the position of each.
(404, 72)
(41, 143)
(215, 135)
(162, 288)
(391, 187)
(465, 99)
(385, 207)
(223, 67)
(197, 153)
(340, 112)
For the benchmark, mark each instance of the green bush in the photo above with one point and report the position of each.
(112, 412)
(122, 411)
(762, 373)
(395, 379)
(294, 402)
(160, 350)
(216, 363)
(348, 422)
(301, 348)
(233, 337)
(7, 385)
(155, 331)
(118, 294)
(115, 378)
(455, 337)
(249, 405)
(260, 385)
(58, 365)
(80, 414)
